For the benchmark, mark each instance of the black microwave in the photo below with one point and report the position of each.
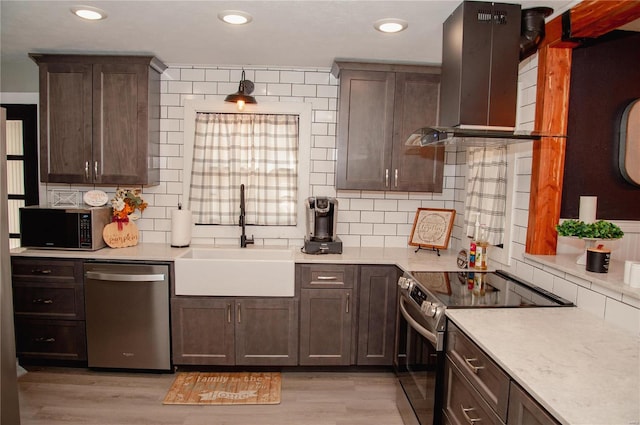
(63, 228)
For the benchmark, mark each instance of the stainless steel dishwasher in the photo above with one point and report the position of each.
(127, 315)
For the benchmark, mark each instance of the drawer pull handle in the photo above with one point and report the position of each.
(43, 339)
(41, 271)
(467, 417)
(239, 313)
(228, 313)
(473, 368)
(327, 278)
(42, 301)
(347, 304)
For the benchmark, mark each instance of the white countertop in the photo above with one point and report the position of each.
(613, 280)
(582, 370)
(405, 258)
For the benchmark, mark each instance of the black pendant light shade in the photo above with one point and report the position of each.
(243, 94)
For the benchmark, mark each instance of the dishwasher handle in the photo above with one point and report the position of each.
(122, 277)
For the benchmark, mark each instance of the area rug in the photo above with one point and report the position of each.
(242, 388)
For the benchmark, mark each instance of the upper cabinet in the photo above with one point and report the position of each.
(99, 119)
(380, 105)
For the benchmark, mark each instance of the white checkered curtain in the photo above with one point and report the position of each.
(257, 150)
(487, 191)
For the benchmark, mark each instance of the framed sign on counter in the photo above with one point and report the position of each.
(432, 228)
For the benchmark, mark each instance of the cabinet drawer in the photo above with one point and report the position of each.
(463, 404)
(48, 269)
(326, 275)
(51, 301)
(51, 339)
(479, 369)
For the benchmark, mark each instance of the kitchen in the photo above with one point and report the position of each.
(367, 219)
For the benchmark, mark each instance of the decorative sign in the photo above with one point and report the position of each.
(432, 228)
(120, 238)
(65, 198)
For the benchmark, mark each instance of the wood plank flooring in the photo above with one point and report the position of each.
(54, 396)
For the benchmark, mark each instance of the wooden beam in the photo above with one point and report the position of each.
(589, 19)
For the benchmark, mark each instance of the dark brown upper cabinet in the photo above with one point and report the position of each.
(99, 119)
(380, 105)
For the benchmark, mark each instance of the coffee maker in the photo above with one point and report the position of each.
(322, 217)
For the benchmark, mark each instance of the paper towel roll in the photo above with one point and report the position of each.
(180, 228)
(588, 206)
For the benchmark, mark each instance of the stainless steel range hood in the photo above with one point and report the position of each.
(489, 136)
(481, 51)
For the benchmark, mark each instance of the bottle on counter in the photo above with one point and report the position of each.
(474, 244)
(481, 249)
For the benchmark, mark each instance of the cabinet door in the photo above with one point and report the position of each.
(120, 123)
(524, 410)
(377, 301)
(365, 128)
(325, 327)
(65, 122)
(202, 331)
(416, 105)
(267, 332)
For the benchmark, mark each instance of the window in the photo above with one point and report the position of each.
(226, 233)
(22, 164)
(257, 150)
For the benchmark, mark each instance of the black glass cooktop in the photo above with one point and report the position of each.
(466, 289)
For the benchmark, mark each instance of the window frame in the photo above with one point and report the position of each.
(304, 112)
(28, 114)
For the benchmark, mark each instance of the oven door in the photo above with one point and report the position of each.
(419, 366)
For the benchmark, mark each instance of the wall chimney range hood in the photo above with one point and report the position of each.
(481, 48)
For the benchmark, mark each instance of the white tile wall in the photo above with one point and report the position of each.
(365, 218)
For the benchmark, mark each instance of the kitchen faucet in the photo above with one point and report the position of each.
(243, 238)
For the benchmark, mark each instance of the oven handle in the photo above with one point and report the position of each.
(415, 325)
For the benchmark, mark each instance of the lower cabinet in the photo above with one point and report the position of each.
(377, 305)
(48, 304)
(477, 390)
(234, 331)
(327, 314)
(524, 410)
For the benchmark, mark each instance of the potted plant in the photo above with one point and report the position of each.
(589, 232)
(601, 229)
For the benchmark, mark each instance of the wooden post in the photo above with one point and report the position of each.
(591, 18)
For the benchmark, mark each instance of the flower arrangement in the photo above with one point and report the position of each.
(125, 203)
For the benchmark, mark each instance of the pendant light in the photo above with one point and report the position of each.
(242, 95)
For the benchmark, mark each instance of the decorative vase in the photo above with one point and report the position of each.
(121, 235)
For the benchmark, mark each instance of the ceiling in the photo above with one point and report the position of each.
(283, 33)
(304, 33)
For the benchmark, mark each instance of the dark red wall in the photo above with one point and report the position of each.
(605, 78)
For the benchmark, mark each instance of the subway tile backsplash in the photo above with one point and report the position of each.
(371, 219)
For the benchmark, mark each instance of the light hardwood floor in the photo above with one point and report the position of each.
(55, 396)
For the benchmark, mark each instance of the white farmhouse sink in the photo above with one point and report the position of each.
(236, 272)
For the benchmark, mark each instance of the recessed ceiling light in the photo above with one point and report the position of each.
(89, 13)
(234, 17)
(390, 25)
